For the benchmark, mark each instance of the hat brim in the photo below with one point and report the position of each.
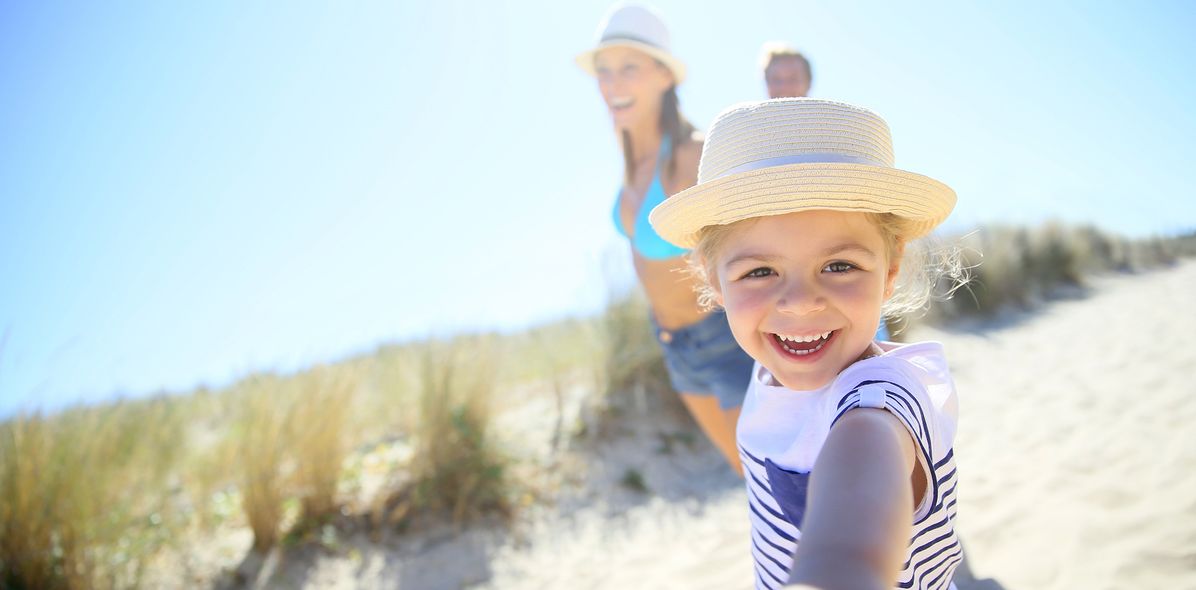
(791, 188)
(585, 59)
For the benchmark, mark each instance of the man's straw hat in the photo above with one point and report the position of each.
(638, 27)
(797, 154)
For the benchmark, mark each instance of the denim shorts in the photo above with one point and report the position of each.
(703, 358)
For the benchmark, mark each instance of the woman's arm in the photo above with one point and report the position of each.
(860, 509)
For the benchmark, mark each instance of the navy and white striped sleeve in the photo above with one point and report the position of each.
(885, 385)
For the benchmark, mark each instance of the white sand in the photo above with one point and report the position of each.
(1076, 452)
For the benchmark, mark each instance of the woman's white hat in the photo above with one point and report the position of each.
(638, 27)
(797, 154)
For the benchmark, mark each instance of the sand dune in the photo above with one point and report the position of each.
(1076, 454)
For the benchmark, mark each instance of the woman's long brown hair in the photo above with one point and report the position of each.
(673, 126)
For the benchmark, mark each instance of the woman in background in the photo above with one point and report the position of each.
(638, 77)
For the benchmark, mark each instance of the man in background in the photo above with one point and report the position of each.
(786, 71)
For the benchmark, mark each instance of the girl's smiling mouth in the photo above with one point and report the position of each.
(802, 348)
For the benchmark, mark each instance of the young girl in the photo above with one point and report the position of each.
(800, 226)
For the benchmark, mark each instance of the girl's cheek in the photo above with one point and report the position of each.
(746, 299)
(861, 284)
(730, 298)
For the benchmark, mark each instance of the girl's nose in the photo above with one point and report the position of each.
(800, 298)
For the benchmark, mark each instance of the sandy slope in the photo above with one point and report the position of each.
(1076, 454)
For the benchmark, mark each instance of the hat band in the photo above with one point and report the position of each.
(815, 158)
(626, 37)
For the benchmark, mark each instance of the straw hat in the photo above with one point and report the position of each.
(797, 154)
(638, 27)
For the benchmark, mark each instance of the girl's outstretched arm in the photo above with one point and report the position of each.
(859, 517)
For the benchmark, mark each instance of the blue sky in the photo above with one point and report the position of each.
(189, 193)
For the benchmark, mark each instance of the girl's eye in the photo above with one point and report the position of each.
(757, 273)
(839, 267)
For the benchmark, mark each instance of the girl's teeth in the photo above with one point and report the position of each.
(821, 339)
(796, 352)
(815, 338)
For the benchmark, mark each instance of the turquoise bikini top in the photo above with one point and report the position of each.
(646, 241)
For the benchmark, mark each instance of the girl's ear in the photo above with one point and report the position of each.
(894, 269)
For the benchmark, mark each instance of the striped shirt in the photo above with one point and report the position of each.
(781, 432)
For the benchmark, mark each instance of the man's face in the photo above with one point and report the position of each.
(787, 78)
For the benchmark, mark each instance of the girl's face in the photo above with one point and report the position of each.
(803, 291)
(631, 83)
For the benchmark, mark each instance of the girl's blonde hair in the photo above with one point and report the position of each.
(929, 269)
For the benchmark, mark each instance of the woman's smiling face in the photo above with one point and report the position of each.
(803, 291)
(632, 84)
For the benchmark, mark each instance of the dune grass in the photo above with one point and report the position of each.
(628, 365)
(631, 356)
(85, 495)
(457, 470)
(261, 452)
(91, 495)
(293, 435)
(318, 435)
(1019, 268)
